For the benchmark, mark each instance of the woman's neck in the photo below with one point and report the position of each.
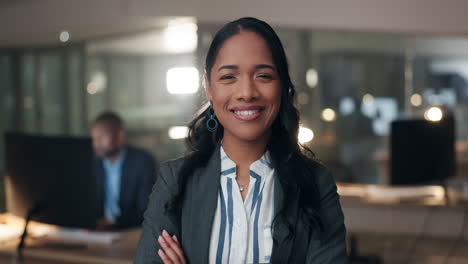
(242, 152)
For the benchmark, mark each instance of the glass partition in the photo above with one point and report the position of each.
(350, 87)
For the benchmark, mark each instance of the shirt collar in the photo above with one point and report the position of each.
(119, 161)
(261, 167)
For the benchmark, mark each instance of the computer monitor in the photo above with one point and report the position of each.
(422, 152)
(52, 174)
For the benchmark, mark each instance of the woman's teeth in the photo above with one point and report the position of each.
(246, 113)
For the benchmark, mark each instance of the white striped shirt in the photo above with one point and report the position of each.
(241, 231)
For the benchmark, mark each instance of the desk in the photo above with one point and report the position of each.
(401, 249)
(432, 218)
(410, 231)
(119, 252)
(384, 228)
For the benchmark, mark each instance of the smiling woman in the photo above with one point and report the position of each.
(248, 192)
(245, 89)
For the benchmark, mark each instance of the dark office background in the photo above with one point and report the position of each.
(352, 78)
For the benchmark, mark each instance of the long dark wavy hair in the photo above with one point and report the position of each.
(292, 161)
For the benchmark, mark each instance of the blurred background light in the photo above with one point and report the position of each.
(347, 106)
(416, 99)
(180, 37)
(64, 36)
(91, 88)
(178, 132)
(433, 114)
(303, 98)
(312, 78)
(328, 115)
(183, 80)
(97, 84)
(305, 135)
(368, 98)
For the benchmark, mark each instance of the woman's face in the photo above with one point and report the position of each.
(245, 87)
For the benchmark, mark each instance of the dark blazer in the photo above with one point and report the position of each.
(193, 228)
(138, 177)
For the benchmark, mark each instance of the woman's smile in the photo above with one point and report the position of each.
(247, 113)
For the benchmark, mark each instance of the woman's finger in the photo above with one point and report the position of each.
(174, 244)
(164, 257)
(170, 253)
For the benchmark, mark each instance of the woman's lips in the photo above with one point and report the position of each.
(247, 113)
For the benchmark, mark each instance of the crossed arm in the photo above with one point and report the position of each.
(159, 241)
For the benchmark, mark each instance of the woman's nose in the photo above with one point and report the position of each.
(247, 90)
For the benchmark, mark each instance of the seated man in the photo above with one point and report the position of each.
(125, 175)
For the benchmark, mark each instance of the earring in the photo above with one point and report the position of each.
(211, 123)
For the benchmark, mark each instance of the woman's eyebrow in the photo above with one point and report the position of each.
(258, 66)
(233, 67)
(263, 66)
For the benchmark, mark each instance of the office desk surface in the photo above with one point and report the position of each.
(431, 217)
(36, 251)
(413, 218)
(40, 251)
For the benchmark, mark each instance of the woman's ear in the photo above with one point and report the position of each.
(206, 84)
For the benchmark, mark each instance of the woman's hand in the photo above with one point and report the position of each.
(171, 251)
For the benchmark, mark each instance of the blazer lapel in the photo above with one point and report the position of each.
(204, 199)
(281, 233)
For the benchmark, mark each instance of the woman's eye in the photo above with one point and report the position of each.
(265, 76)
(227, 77)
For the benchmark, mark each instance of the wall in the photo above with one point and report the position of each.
(39, 21)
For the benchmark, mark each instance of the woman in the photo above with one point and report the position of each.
(248, 192)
